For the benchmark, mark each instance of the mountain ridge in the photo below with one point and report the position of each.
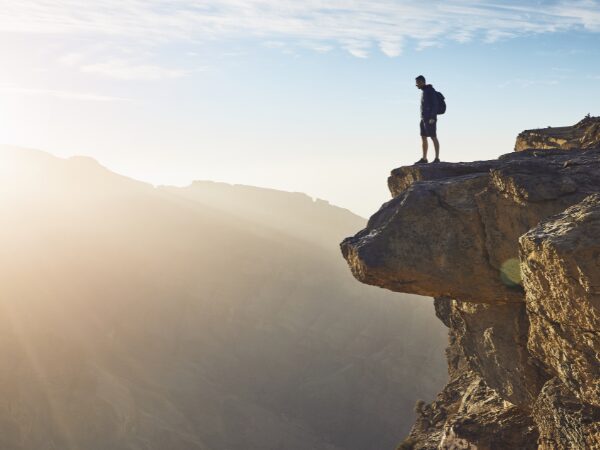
(147, 319)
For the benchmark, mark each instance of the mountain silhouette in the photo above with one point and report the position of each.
(213, 316)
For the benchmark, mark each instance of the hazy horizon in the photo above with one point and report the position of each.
(207, 317)
(191, 183)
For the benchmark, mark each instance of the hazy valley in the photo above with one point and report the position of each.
(206, 317)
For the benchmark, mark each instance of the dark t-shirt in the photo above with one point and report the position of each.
(428, 103)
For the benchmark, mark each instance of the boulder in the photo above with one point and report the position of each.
(452, 229)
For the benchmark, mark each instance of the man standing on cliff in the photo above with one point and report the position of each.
(429, 106)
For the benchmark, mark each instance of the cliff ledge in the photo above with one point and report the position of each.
(510, 250)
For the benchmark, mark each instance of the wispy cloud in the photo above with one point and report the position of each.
(356, 47)
(125, 70)
(585, 12)
(391, 47)
(357, 26)
(66, 95)
(121, 68)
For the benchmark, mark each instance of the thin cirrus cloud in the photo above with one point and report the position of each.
(120, 68)
(125, 70)
(59, 94)
(358, 26)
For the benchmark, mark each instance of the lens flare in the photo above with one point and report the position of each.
(510, 272)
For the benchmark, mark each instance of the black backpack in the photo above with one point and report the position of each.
(441, 103)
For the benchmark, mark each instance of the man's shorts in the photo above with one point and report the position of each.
(428, 129)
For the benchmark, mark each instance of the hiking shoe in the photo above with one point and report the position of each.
(436, 160)
(421, 161)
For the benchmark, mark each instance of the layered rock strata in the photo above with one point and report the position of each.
(584, 134)
(510, 250)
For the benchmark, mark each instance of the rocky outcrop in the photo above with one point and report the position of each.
(564, 422)
(468, 411)
(584, 134)
(561, 268)
(510, 249)
(452, 230)
(468, 414)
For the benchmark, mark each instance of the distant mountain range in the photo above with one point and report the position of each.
(208, 317)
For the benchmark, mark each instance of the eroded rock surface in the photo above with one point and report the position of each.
(468, 413)
(564, 422)
(584, 134)
(452, 230)
(493, 341)
(510, 249)
(561, 268)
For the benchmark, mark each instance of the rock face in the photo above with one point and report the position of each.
(452, 230)
(510, 249)
(583, 135)
(561, 267)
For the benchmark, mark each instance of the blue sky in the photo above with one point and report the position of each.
(313, 96)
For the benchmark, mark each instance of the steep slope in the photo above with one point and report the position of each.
(515, 283)
(135, 317)
(275, 209)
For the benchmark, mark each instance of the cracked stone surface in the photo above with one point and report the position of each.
(561, 270)
(564, 422)
(510, 250)
(468, 413)
(452, 230)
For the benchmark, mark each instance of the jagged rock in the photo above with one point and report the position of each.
(452, 229)
(564, 422)
(524, 351)
(561, 267)
(404, 177)
(583, 135)
(493, 342)
(468, 414)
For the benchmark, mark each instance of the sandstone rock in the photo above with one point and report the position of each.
(484, 421)
(493, 342)
(468, 414)
(561, 267)
(427, 241)
(583, 135)
(452, 229)
(523, 312)
(404, 177)
(563, 422)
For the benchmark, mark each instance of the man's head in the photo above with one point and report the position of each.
(421, 81)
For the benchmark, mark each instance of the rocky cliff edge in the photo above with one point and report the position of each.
(585, 134)
(510, 250)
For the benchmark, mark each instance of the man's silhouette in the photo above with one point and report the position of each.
(429, 105)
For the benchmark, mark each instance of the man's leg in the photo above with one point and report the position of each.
(424, 139)
(436, 145)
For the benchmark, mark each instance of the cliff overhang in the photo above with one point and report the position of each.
(510, 250)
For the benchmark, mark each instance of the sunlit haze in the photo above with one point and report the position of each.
(311, 96)
(185, 257)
